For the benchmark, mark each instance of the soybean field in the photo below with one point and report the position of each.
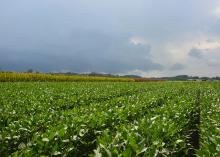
(109, 119)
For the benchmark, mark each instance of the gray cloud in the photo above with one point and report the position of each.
(196, 53)
(177, 66)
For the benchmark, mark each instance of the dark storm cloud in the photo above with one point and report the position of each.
(196, 53)
(85, 35)
(83, 51)
(77, 36)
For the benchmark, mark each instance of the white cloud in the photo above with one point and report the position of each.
(207, 44)
(178, 50)
(174, 51)
(151, 73)
(216, 12)
(137, 40)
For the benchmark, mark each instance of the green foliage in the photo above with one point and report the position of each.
(109, 119)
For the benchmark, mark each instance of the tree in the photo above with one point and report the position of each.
(30, 71)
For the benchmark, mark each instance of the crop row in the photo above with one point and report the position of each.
(109, 119)
(41, 77)
(210, 124)
(51, 114)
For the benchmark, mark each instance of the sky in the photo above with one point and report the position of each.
(151, 38)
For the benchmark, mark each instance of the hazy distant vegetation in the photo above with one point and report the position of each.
(32, 75)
